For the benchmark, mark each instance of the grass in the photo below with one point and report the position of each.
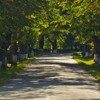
(6, 75)
(89, 65)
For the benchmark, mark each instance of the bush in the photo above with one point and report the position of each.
(77, 54)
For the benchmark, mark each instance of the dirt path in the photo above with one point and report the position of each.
(52, 77)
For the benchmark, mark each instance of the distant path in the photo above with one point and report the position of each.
(52, 77)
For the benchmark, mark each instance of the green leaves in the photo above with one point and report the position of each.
(52, 18)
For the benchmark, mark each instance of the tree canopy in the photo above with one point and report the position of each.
(51, 19)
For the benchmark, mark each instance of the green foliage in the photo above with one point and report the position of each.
(6, 75)
(89, 65)
(77, 54)
(29, 19)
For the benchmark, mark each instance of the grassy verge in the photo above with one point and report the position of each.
(6, 75)
(89, 65)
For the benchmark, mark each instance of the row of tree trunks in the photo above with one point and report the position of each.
(12, 58)
(53, 43)
(12, 55)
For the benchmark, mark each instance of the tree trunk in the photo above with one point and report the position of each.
(71, 38)
(54, 46)
(69, 42)
(3, 59)
(41, 42)
(23, 51)
(96, 41)
(13, 50)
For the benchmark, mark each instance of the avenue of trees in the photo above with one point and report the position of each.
(48, 24)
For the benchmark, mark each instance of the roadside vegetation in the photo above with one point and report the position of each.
(13, 70)
(88, 64)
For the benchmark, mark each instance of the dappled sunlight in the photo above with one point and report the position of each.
(56, 59)
(51, 78)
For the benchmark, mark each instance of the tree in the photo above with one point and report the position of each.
(86, 15)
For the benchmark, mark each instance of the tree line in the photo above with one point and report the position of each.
(56, 24)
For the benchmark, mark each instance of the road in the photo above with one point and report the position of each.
(52, 77)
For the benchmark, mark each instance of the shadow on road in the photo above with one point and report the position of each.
(46, 73)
